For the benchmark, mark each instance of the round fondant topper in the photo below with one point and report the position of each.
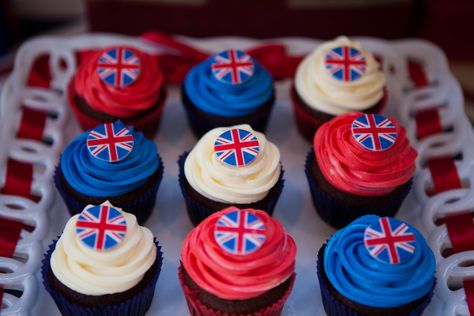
(374, 132)
(118, 67)
(236, 147)
(345, 63)
(390, 241)
(239, 232)
(110, 142)
(101, 227)
(232, 66)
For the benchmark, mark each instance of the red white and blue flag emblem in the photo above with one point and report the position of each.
(239, 232)
(374, 132)
(345, 63)
(232, 66)
(237, 147)
(118, 67)
(390, 240)
(101, 227)
(111, 142)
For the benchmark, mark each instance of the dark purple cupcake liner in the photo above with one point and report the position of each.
(197, 212)
(338, 213)
(136, 305)
(141, 207)
(334, 307)
(200, 125)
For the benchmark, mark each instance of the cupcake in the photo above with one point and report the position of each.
(360, 164)
(118, 83)
(230, 166)
(227, 89)
(110, 162)
(376, 266)
(237, 262)
(104, 263)
(340, 76)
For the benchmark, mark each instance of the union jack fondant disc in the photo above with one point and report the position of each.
(374, 132)
(101, 227)
(345, 63)
(110, 142)
(232, 66)
(390, 241)
(118, 67)
(239, 232)
(237, 147)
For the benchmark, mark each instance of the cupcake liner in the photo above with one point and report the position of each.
(141, 207)
(201, 122)
(334, 307)
(337, 213)
(148, 124)
(136, 305)
(197, 211)
(197, 308)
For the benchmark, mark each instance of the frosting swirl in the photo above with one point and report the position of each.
(319, 90)
(356, 275)
(223, 183)
(216, 97)
(240, 277)
(97, 273)
(124, 102)
(354, 169)
(98, 178)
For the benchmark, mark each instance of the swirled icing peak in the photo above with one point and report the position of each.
(349, 165)
(238, 254)
(370, 275)
(110, 142)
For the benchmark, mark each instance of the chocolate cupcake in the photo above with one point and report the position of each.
(110, 162)
(104, 263)
(360, 164)
(376, 266)
(230, 166)
(118, 83)
(340, 76)
(227, 89)
(237, 262)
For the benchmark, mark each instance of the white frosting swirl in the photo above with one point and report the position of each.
(319, 90)
(97, 273)
(226, 184)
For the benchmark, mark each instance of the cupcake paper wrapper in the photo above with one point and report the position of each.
(141, 207)
(136, 305)
(338, 213)
(200, 125)
(148, 124)
(334, 307)
(197, 308)
(198, 212)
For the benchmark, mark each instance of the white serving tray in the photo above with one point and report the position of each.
(169, 221)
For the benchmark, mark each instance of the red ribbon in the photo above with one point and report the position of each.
(469, 289)
(9, 234)
(273, 57)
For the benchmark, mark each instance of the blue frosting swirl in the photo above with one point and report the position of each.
(98, 178)
(358, 276)
(215, 97)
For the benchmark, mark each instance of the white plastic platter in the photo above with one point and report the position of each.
(169, 221)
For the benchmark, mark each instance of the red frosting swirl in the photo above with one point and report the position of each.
(238, 277)
(120, 102)
(351, 168)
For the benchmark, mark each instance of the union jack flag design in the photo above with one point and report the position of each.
(390, 240)
(101, 227)
(237, 147)
(239, 232)
(345, 63)
(110, 142)
(232, 66)
(374, 132)
(118, 67)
